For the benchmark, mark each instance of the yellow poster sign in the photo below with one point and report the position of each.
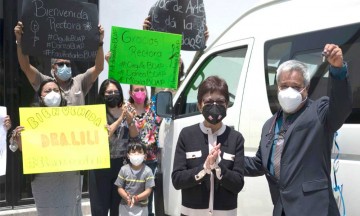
(59, 139)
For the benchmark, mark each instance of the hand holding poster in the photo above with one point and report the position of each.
(60, 29)
(186, 17)
(144, 57)
(59, 139)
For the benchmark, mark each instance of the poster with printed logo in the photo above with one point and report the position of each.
(59, 139)
(63, 29)
(186, 17)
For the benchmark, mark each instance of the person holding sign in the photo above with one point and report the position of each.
(121, 128)
(135, 182)
(198, 54)
(209, 157)
(147, 123)
(55, 194)
(74, 88)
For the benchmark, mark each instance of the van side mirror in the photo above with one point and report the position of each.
(164, 107)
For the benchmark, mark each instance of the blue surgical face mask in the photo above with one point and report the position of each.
(64, 73)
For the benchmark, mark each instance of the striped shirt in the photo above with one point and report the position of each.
(135, 181)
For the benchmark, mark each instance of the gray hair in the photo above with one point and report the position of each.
(53, 61)
(294, 65)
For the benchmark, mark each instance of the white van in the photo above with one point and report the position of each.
(246, 55)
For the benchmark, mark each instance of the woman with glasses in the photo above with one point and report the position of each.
(103, 192)
(209, 157)
(147, 124)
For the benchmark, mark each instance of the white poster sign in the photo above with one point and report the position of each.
(2, 141)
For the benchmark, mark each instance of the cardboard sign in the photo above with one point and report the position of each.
(144, 57)
(186, 17)
(59, 139)
(60, 29)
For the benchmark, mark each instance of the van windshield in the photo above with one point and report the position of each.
(227, 65)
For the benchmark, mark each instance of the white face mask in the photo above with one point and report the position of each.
(52, 99)
(136, 159)
(290, 99)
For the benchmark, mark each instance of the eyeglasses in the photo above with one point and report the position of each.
(61, 64)
(111, 92)
(220, 101)
(50, 90)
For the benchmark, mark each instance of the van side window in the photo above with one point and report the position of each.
(307, 48)
(227, 65)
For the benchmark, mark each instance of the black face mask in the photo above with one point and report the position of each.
(112, 100)
(214, 113)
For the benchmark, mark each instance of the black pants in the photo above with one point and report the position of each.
(103, 193)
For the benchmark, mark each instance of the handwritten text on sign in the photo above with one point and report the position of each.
(186, 17)
(60, 29)
(64, 138)
(144, 57)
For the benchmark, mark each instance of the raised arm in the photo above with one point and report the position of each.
(340, 103)
(147, 23)
(24, 61)
(99, 60)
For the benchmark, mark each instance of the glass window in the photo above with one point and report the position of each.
(307, 48)
(227, 65)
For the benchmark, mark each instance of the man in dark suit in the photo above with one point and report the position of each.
(295, 146)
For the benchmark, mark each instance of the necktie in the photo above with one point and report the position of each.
(277, 156)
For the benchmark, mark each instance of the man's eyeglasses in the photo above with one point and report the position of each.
(218, 101)
(61, 64)
(110, 92)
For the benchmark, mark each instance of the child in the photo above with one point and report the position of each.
(135, 182)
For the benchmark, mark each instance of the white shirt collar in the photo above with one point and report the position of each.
(207, 130)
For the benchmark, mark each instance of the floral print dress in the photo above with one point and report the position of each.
(148, 126)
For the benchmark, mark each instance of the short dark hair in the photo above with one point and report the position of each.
(41, 102)
(102, 89)
(136, 146)
(213, 84)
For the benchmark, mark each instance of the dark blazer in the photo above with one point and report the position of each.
(196, 193)
(305, 187)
